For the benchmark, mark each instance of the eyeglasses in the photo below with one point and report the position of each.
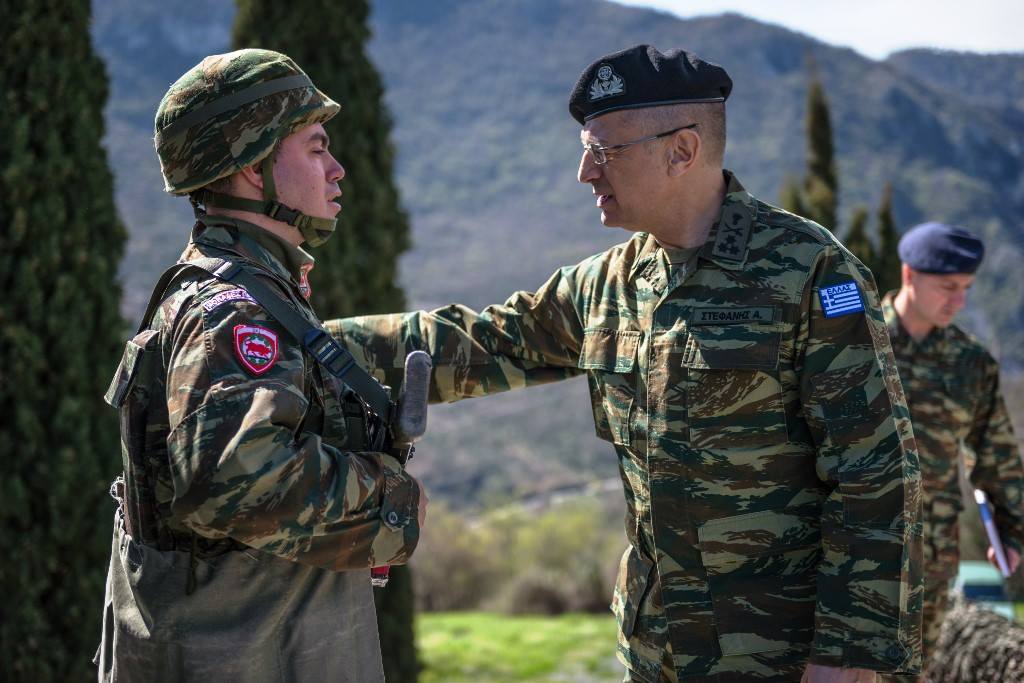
(600, 152)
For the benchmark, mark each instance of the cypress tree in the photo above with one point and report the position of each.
(357, 270)
(857, 237)
(60, 339)
(817, 196)
(791, 198)
(887, 262)
(821, 185)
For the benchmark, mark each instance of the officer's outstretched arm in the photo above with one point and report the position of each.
(533, 338)
(868, 612)
(247, 457)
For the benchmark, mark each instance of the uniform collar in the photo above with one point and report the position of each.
(253, 243)
(901, 338)
(726, 244)
(892, 318)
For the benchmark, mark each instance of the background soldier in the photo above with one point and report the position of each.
(952, 387)
(254, 488)
(738, 361)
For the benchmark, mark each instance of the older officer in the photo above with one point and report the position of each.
(256, 496)
(738, 361)
(952, 386)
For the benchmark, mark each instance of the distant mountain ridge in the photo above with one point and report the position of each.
(995, 80)
(487, 155)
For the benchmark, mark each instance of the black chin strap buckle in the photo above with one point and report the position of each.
(280, 212)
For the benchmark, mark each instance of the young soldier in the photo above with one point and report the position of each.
(738, 361)
(255, 496)
(952, 388)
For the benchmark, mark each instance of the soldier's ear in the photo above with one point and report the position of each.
(906, 275)
(685, 149)
(252, 177)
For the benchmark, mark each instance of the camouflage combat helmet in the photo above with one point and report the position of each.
(229, 112)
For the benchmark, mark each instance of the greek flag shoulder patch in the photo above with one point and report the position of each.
(840, 299)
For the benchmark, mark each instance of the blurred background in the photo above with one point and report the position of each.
(469, 196)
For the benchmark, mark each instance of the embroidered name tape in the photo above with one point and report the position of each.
(840, 299)
(224, 297)
(732, 316)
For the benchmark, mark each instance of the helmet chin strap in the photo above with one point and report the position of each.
(315, 231)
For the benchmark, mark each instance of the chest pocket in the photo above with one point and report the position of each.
(610, 357)
(942, 410)
(732, 389)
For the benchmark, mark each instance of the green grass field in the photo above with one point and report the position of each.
(459, 647)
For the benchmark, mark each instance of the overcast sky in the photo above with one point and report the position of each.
(878, 27)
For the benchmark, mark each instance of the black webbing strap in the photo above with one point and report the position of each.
(159, 292)
(334, 358)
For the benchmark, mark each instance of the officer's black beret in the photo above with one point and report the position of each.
(644, 77)
(940, 248)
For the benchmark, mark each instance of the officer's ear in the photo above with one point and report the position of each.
(685, 148)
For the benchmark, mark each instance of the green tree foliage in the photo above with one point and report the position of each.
(817, 197)
(821, 184)
(357, 270)
(857, 240)
(886, 264)
(60, 336)
(517, 560)
(792, 199)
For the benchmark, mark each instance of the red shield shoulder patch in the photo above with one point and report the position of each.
(256, 348)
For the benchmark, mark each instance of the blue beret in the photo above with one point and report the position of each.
(644, 77)
(942, 249)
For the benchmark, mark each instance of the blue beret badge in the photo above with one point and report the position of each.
(841, 299)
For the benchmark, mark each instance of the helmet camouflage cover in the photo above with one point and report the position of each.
(228, 112)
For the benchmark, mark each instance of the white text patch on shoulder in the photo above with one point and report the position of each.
(224, 297)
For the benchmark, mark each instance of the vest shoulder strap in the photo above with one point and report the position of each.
(331, 355)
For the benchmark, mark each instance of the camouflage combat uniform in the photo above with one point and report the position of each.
(952, 387)
(765, 450)
(269, 506)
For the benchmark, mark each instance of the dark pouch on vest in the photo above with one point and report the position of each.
(138, 377)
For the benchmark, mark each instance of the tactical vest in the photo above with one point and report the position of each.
(168, 590)
(356, 410)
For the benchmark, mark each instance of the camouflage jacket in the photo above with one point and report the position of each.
(252, 507)
(765, 449)
(260, 448)
(952, 386)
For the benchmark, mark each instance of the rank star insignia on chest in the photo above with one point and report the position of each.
(256, 348)
(841, 299)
